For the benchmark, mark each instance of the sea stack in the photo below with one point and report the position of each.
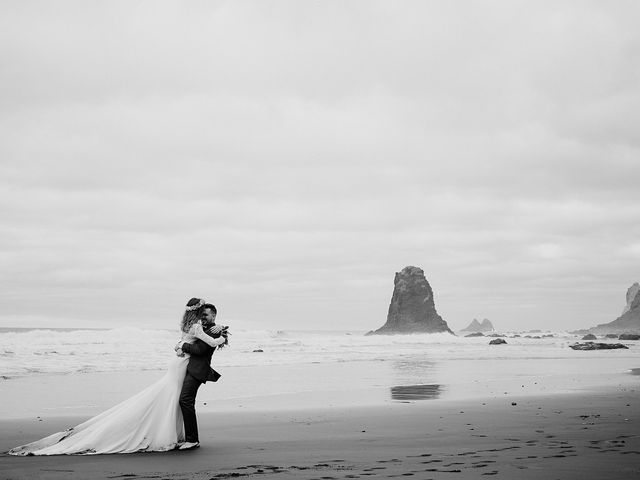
(475, 326)
(629, 321)
(412, 309)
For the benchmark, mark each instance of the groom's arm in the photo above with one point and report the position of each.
(196, 348)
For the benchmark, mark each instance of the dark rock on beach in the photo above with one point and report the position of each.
(596, 346)
(498, 341)
(589, 336)
(412, 309)
(629, 336)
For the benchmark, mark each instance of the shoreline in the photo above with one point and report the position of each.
(575, 435)
(315, 385)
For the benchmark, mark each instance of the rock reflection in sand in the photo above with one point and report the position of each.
(415, 392)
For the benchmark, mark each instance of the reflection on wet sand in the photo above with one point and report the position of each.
(635, 371)
(415, 392)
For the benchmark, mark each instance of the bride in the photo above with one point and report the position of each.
(150, 420)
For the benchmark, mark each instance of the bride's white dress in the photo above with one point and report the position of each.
(149, 421)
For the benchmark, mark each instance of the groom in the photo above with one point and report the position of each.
(199, 371)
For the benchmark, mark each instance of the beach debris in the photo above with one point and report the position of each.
(596, 346)
(498, 341)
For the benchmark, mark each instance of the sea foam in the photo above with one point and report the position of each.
(40, 351)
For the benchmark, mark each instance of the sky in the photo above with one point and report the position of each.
(283, 159)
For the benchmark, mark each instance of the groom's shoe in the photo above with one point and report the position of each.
(189, 445)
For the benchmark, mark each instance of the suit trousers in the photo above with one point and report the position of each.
(188, 406)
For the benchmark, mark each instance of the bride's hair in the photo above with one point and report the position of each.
(193, 312)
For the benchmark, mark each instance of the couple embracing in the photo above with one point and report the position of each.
(162, 416)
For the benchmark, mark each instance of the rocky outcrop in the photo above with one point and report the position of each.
(589, 336)
(412, 309)
(475, 326)
(629, 321)
(498, 341)
(632, 293)
(596, 346)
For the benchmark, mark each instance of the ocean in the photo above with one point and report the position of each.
(261, 367)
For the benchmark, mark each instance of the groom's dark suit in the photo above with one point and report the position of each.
(199, 371)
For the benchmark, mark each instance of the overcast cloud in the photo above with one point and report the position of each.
(285, 159)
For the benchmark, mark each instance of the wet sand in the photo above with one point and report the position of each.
(567, 436)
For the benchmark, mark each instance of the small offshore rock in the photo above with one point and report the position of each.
(475, 326)
(498, 341)
(596, 346)
(476, 334)
(589, 336)
(258, 350)
(629, 336)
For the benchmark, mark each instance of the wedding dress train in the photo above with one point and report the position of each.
(151, 420)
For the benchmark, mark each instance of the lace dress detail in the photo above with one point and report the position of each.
(151, 420)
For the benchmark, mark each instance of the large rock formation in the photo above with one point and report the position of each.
(629, 321)
(632, 293)
(412, 309)
(476, 326)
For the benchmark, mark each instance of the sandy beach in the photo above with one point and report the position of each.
(565, 436)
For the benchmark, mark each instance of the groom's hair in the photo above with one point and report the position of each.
(210, 306)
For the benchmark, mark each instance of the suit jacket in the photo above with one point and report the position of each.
(200, 361)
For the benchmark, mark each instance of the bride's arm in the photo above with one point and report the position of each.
(199, 333)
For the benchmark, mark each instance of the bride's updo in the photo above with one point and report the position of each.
(193, 312)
